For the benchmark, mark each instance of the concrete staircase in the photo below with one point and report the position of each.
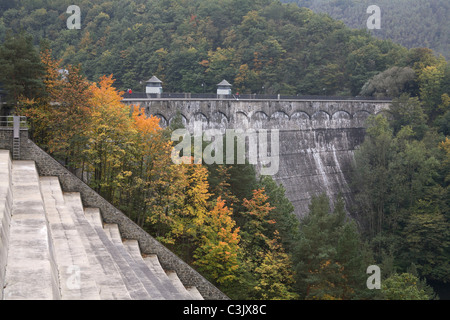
(51, 247)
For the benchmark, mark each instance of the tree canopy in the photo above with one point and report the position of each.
(411, 23)
(191, 45)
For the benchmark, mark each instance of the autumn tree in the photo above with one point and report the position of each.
(217, 253)
(265, 261)
(40, 109)
(109, 145)
(63, 114)
(286, 222)
(190, 213)
(160, 184)
(275, 278)
(255, 229)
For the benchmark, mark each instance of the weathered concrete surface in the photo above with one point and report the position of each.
(53, 248)
(49, 167)
(317, 138)
(29, 269)
(6, 202)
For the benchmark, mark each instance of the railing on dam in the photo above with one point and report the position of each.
(212, 96)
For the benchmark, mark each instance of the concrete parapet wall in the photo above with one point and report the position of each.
(6, 202)
(282, 114)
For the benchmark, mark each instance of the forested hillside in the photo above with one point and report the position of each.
(411, 23)
(191, 45)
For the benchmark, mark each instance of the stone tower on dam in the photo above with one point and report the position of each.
(317, 138)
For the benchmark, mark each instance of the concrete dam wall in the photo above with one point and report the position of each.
(317, 138)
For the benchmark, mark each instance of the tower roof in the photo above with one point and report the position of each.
(154, 80)
(225, 83)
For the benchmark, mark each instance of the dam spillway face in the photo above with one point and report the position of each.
(317, 138)
(51, 247)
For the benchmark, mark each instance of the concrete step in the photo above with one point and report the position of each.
(133, 248)
(152, 262)
(6, 202)
(195, 294)
(93, 216)
(157, 288)
(173, 277)
(108, 276)
(113, 233)
(75, 273)
(53, 248)
(138, 284)
(29, 252)
(129, 249)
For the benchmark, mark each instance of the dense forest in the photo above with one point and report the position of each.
(411, 23)
(236, 229)
(259, 46)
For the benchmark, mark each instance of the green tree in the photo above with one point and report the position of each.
(427, 241)
(372, 174)
(61, 116)
(401, 178)
(329, 261)
(403, 287)
(390, 83)
(275, 277)
(22, 71)
(431, 90)
(286, 223)
(408, 111)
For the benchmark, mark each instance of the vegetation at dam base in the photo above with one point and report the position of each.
(237, 230)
